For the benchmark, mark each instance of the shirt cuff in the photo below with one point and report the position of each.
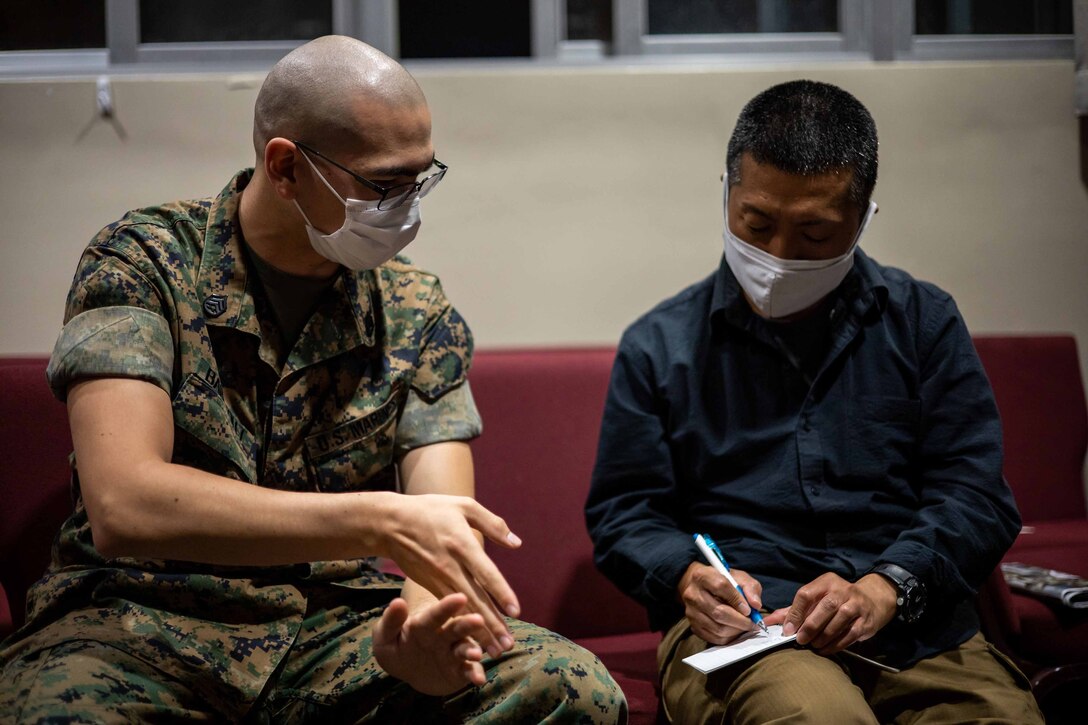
(112, 342)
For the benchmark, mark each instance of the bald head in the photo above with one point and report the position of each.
(313, 93)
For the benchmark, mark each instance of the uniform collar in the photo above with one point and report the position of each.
(227, 285)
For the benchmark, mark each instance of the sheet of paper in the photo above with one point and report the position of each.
(713, 658)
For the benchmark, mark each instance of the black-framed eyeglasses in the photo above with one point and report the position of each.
(391, 196)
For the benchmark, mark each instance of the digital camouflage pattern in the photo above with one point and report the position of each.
(166, 295)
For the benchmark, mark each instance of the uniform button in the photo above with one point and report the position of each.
(814, 491)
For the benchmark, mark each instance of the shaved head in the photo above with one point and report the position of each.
(312, 93)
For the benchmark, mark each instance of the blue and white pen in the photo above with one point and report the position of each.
(714, 557)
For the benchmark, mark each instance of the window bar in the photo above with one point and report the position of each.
(122, 30)
(628, 22)
(548, 27)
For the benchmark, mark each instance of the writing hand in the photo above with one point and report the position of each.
(430, 536)
(829, 614)
(431, 649)
(716, 611)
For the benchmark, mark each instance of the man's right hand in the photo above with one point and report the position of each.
(716, 611)
(430, 537)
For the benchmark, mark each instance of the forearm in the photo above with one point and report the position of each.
(444, 468)
(142, 505)
(192, 515)
(965, 517)
(953, 544)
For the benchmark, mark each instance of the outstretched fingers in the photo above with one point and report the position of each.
(481, 567)
(494, 634)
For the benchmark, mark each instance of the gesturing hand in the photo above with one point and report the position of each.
(830, 614)
(717, 612)
(430, 536)
(431, 650)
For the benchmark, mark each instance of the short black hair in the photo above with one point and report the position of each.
(806, 127)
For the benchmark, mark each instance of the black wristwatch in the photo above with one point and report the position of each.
(910, 598)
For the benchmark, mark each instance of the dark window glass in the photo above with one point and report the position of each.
(589, 20)
(52, 24)
(194, 21)
(742, 16)
(477, 29)
(993, 17)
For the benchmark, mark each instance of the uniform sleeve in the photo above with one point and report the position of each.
(446, 349)
(638, 541)
(453, 417)
(114, 323)
(967, 518)
(440, 405)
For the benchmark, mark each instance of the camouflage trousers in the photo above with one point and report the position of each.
(329, 676)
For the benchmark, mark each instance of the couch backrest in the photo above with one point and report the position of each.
(34, 446)
(1040, 394)
(542, 414)
(541, 411)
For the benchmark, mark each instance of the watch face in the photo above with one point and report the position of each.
(914, 600)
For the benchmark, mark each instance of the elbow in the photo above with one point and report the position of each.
(109, 536)
(114, 531)
(108, 546)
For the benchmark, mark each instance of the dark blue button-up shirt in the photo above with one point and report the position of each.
(884, 445)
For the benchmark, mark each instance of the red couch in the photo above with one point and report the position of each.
(542, 410)
(1038, 387)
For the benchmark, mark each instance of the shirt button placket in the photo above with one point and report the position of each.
(809, 446)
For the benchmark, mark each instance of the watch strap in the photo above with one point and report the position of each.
(910, 592)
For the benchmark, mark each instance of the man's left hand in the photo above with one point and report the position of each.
(431, 649)
(829, 614)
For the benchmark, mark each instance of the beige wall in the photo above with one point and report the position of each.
(578, 198)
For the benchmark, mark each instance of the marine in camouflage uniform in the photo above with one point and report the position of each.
(168, 295)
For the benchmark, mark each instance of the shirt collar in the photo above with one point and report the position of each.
(226, 285)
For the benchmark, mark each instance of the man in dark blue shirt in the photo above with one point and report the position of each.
(826, 420)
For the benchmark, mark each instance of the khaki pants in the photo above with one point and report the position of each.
(972, 683)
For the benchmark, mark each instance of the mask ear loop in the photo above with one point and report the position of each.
(322, 177)
(873, 208)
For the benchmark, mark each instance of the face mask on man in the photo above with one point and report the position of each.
(369, 236)
(781, 287)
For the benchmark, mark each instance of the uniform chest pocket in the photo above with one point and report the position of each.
(883, 436)
(201, 412)
(357, 455)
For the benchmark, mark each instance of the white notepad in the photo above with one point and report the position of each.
(713, 658)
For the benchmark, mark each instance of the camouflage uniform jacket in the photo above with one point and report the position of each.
(165, 295)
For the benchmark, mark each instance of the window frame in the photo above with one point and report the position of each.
(878, 30)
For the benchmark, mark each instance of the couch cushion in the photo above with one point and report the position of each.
(1051, 634)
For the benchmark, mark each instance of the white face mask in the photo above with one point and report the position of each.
(780, 287)
(370, 236)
